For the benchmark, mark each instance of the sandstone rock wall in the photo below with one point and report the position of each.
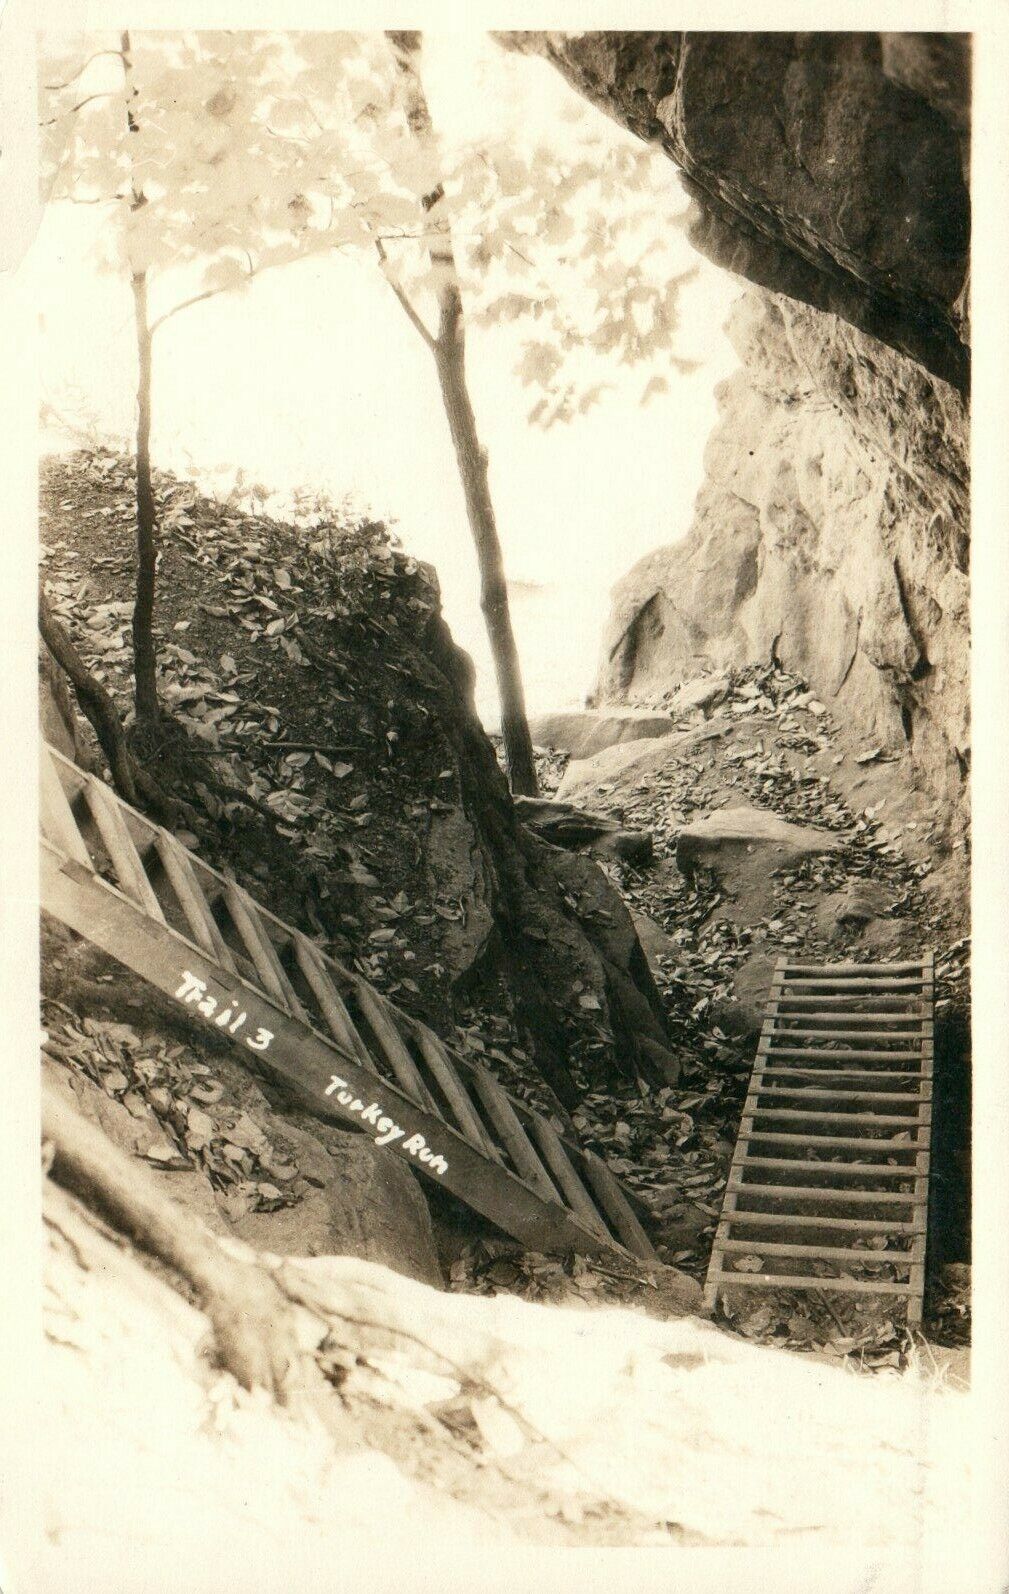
(828, 166)
(831, 534)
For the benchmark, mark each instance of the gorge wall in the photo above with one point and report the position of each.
(831, 532)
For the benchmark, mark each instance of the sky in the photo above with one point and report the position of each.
(314, 378)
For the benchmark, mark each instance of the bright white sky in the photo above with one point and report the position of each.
(314, 378)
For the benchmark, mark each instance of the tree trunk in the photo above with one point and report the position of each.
(94, 700)
(145, 678)
(144, 657)
(449, 349)
(450, 359)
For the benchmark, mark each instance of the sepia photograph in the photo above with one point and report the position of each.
(503, 662)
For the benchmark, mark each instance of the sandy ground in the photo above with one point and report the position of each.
(581, 1427)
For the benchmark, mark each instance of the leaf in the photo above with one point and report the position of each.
(341, 771)
(166, 1156)
(235, 1203)
(246, 1133)
(199, 1127)
(207, 1093)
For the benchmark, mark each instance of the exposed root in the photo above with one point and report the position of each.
(256, 1331)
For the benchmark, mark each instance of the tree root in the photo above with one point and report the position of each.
(135, 784)
(256, 1328)
(274, 1320)
(96, 703)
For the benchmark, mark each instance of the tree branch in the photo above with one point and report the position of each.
(411, 313)
(104, 95)
(197, 298)
(55, 87)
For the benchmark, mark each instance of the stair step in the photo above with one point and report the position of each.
(295, 1023)
(775, 1141)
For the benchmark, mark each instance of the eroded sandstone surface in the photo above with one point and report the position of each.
(830, 535)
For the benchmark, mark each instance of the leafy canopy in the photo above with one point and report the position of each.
(228, 153)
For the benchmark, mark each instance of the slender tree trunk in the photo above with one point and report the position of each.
(449, 350)
(450, 360)
(144, 655)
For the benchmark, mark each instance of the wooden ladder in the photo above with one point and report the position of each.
(342, 1049)
(833, 1147)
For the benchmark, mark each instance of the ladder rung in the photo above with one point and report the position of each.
(183, 881)
(864, 1036)
(852, 1141)
(820, 1116)
(618, 1208)
(806, 1281)
(791, 969)
(394, 1049)
(837, 1095)
(844, 984)
(797, 1192)
(854, 1016)
(564, 1173)
(835, 1001)
(901, 1259)
(439, 1061)
(261, 949)
(58, 823)
(108, 817)
(845, 1054)
(865, 1170)
(513, 1137)
(793, 1220)
(837, 1073)
(331, 1004)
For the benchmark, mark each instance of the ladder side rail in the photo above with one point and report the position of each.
(307, 1062)
(741, 1148)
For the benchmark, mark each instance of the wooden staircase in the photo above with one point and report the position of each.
(345, 1051)
(828, 1188)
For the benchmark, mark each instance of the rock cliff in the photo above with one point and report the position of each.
(830, 535)
(831, 532)
(828, 166)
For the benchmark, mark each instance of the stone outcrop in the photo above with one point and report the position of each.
(583, 732)
(354, 1199)
(830, 535)
(828, 166)
(829, 169)
(458, 907)
(764, 839)
(564, 825)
